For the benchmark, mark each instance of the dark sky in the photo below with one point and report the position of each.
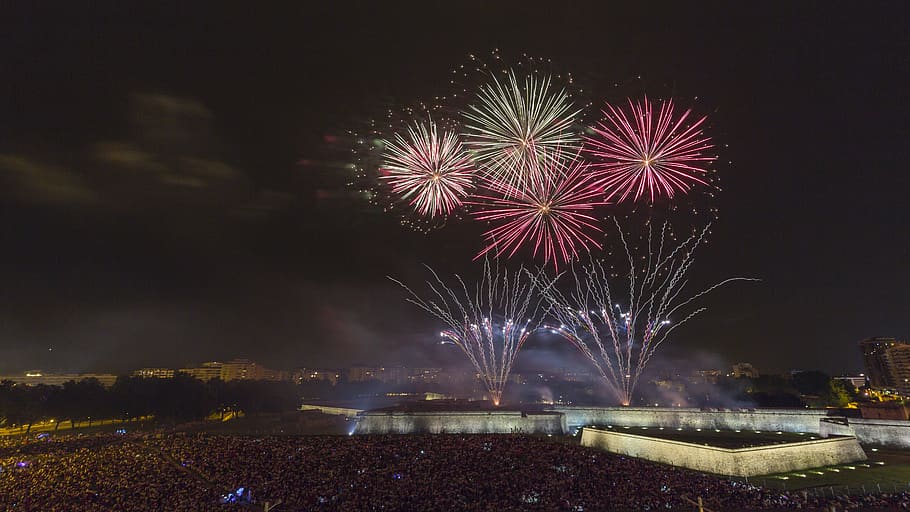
(169, 194)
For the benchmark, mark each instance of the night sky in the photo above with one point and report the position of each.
(173, 179)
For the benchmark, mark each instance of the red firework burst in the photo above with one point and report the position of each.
(551, 212)
(638, 154)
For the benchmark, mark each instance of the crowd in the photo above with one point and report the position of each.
(431, 472)
(101, 472)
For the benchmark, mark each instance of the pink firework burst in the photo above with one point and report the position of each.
(551, 212)
(429, 169)
(640, 155)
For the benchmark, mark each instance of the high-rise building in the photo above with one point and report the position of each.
(899, 361)
(887, 363)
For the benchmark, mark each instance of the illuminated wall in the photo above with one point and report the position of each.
(472, 422)
(758, 460)
(890, 433)
(786, 420)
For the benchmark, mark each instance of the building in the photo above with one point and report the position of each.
(241, 369)
(362, 373)
(890, 410)
(235, 369)
(206, 372)
(424, 375)
(856, 381)
(395, 374)
(875, 361)
(899, 360)
(744, 370)
(317, 375)
(709, 376)
(887, 363)
(154, 373)
(37, 377)
(385, 374)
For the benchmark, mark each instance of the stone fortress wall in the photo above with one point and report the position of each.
(560, 420)
(752, 461)
(889, 433)
(785, 420)
(460, 422)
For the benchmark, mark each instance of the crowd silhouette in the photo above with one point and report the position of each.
(194, 472)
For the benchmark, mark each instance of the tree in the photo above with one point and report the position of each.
(182, 398)
(840, 393)
(812, 383)
(774, 391)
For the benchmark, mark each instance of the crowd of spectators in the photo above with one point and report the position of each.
(97, 473)
(193, 472)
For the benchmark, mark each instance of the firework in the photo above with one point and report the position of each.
(619, 335)
(515, 121)
(640, 155)
(489, 323)
(552, 212)
(428, 169)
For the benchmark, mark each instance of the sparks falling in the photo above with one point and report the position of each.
(515, 121)
(620, 334)
(552, 213)
(429, 169)
(641, 155)
(490, 322)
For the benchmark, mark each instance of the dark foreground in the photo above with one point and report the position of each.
(443, 472)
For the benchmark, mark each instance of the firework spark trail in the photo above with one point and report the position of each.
(489, 323)
(552, 212)
(639, 155)
(620, 340)
(514, 121)
(430, 170)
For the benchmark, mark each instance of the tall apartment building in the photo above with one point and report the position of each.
(887, 363)
(899, 360)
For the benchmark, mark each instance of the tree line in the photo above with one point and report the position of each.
(181, 398)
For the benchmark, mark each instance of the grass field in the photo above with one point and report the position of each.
(719, 438)
(888, 470)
